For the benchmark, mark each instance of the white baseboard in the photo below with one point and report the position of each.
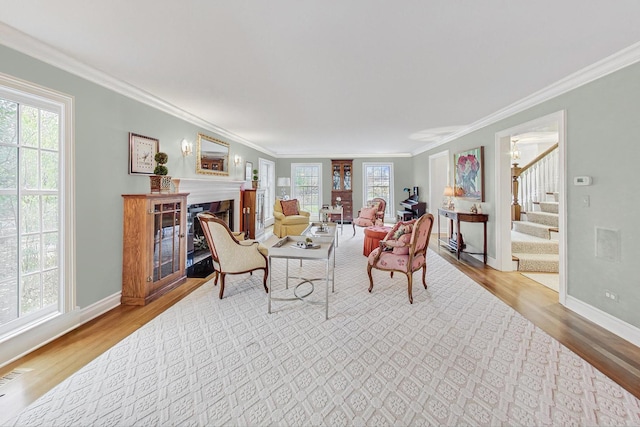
(605, 320)
(45, 332)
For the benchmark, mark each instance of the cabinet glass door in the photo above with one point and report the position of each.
(166, 240)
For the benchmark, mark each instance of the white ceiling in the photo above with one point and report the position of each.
(324, 78)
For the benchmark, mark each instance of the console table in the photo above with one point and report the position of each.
(459, 217)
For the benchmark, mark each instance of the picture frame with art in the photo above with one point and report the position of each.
(142, 151)
(468, 169)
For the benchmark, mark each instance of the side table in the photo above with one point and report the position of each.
(333, 210)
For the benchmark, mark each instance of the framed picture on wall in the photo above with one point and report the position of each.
(468, 168)
(142, 151)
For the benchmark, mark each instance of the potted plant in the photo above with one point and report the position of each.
(254, 179)
(160, 181)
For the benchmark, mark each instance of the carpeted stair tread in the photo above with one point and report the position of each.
(544, 218)
(542, 246)
(546, 263)
(549, 207)
(532, 228)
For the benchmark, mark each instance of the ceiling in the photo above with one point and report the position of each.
(318, 78)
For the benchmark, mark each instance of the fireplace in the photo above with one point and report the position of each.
(198, 255)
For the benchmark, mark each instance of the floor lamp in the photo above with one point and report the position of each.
(284, 182)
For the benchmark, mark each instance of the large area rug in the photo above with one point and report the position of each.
(457, 356)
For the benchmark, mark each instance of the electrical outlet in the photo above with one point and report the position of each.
(611, 296)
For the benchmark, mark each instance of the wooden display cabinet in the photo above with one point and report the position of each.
(341, 186)
(252, 213)
(154, 251)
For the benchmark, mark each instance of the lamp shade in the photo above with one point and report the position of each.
(448, 191)
(284, 181)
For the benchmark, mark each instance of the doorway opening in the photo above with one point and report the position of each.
(504, 158)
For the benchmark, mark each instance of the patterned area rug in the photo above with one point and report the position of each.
(456, 356)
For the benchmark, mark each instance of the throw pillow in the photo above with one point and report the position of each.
(404, 241)
(368, 213)
(289, 207)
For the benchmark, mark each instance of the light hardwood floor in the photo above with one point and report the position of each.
(51, 364)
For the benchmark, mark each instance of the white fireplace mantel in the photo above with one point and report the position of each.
(209, 190)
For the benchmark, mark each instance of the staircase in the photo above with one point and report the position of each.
(534, 241)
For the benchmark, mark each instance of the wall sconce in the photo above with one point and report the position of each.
(284, 182)
(186, 147)
(515, 153)
(237, 159)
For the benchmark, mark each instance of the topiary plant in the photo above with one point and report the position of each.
(161, 159)
(255, 174)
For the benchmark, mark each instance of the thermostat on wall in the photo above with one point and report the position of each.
(582, 180)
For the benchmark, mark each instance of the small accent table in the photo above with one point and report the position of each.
(286, 249)
(459, 217)
(333, 210)
(372, 237)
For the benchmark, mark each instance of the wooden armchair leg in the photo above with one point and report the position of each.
(264, 280)
(410, 280)
(370, 277)
(221, 285)
(424, 274)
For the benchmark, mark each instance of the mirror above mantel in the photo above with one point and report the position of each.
(212, 156)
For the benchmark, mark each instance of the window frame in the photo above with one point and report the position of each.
(294, 166)
(23, 92)
(388, 214)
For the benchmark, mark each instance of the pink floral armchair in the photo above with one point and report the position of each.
(404, 249)
(371, 214)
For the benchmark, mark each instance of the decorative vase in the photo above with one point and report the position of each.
(254, 184)
(176, 184)
(160, 183)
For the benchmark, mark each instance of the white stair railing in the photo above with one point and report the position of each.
(534, 181)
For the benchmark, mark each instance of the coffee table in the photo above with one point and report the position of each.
(285, 248)
(322, 229)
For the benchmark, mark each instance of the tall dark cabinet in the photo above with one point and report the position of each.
(252, 213)
(341, 186)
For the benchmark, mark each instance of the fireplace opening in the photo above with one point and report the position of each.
(199, 262)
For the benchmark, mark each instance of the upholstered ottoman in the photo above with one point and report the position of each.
(372, 237)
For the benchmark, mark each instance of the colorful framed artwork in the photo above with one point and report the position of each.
(469, 174)
(142, 151)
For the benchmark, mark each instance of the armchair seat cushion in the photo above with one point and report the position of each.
(363, 222)
(391, 261)
(295, 219)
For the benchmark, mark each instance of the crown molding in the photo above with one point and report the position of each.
(37, 49)
(608, 65)
(344, 156)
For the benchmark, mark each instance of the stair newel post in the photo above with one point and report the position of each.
(515, 206)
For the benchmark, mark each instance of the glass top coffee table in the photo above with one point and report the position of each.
(290, 248)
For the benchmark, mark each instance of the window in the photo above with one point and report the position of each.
(36, 280)
(307, 186)
(378, 182)
(268, 182)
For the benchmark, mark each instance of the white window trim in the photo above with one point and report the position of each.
(319, 166)
(268, 210)
(389, 214)
(23, 91)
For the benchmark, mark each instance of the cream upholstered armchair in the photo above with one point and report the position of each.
(404, 249)
(229, 255)
(371, 214)
(289, 220)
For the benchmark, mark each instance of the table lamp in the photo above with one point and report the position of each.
(284, 182)
(449, 193)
